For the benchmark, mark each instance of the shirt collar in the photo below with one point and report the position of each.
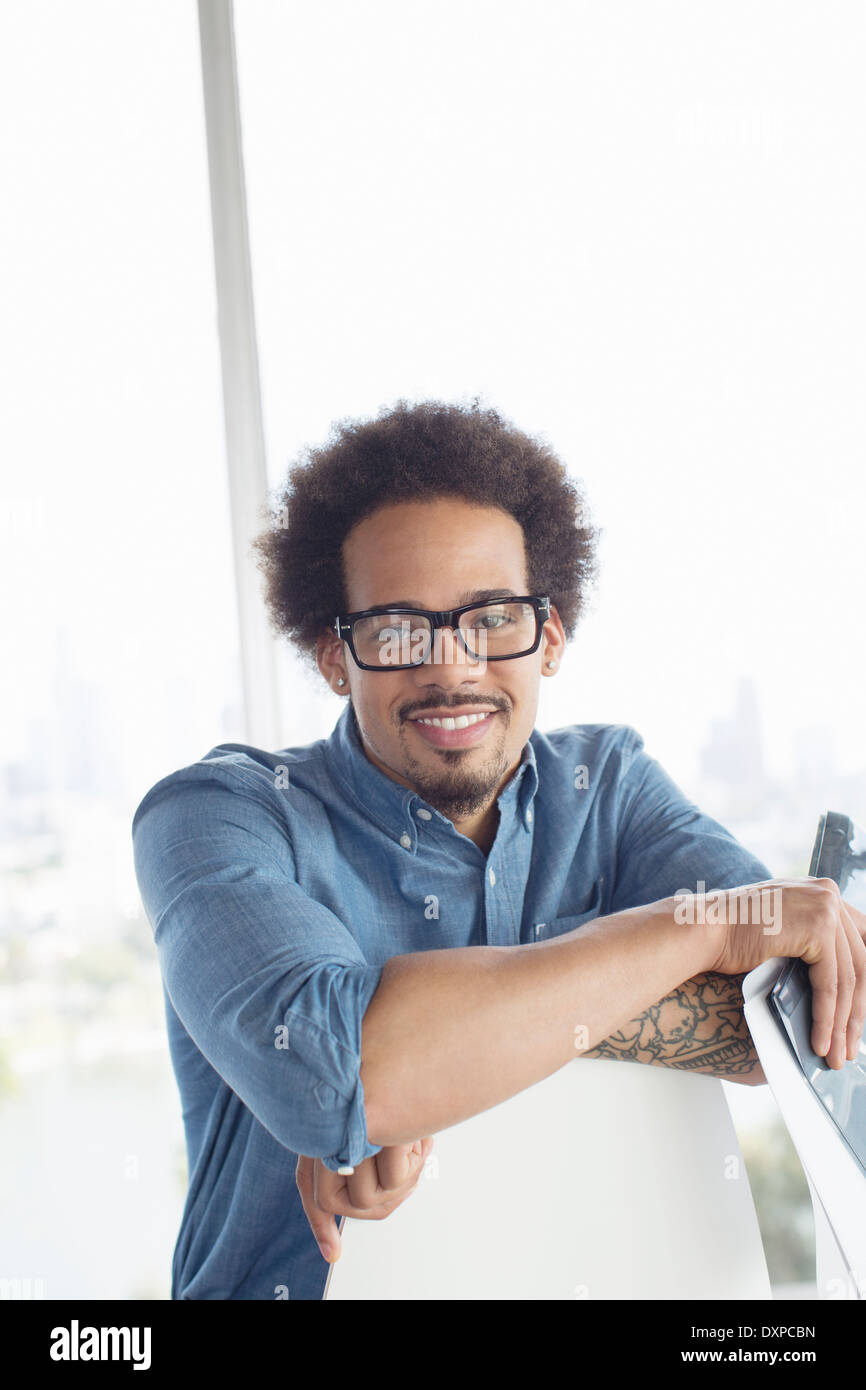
(394, 807)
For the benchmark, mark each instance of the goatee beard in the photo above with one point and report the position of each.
(456, 794)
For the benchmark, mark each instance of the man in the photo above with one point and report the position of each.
(369, 938)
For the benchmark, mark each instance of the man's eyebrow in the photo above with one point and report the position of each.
(468, 596)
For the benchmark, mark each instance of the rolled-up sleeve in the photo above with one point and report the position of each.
(665, 844)
(270, 985)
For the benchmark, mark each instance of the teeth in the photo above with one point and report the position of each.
(461, 722)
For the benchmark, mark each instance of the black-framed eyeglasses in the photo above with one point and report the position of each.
(396, 639)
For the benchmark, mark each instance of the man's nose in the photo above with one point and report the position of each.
(453, 664)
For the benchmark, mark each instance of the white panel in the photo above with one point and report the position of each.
(607, 1180)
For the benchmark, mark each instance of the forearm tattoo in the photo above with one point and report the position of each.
(699, 1027)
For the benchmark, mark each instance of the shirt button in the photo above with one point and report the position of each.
(424, 815)
(491, 875)
(405, 841)
(529, 817)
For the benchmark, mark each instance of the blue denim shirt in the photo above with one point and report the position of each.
(277, 886)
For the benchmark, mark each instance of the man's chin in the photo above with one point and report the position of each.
(458, 782)
(458, 811)
(458, 797)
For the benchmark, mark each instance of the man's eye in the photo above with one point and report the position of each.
(393, 632)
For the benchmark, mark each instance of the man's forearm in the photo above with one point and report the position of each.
(699, 1027)
(450, 1033)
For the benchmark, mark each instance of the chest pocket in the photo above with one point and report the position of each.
(585, 912)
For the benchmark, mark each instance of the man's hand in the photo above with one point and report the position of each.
(372, 1192)
(809, 919)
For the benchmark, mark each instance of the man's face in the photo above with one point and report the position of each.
(437, 555)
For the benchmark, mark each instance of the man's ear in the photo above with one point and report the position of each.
(553, 642)
(330, 661)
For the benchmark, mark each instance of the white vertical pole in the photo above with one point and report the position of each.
(245, 446)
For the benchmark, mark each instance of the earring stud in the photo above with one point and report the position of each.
(551, 665)
(340, 681)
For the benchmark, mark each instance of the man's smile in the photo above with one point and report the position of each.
(459, 728)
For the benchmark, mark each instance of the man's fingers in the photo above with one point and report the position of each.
(389, 1163)
(855, 919)
(390, 1174)
(398, 1165)
(858, 959)
(325, 1196)
(363, 1189)
(323, 1224)
(838, 998)
(836, 1056)
(379, 1177)
(822, 977)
